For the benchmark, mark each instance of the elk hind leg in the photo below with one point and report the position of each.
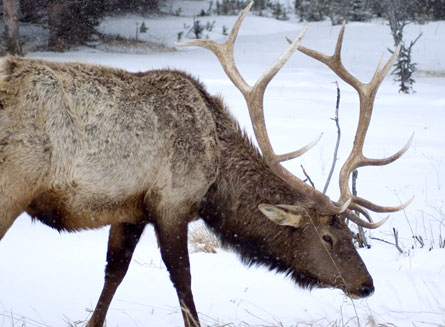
(122, 241)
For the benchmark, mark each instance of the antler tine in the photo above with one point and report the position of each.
(224, 52)
(363, 223)
(361, 210)
(376, 208)
(255, 104)
(254, 96)
(367, 94)
(380, 74)
(334, 61)
(355, 161)
(297, 153)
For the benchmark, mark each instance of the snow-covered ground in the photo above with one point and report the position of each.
(51, 279)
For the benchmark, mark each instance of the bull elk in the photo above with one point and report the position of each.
(83, 146)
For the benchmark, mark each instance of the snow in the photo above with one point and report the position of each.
(50, 279)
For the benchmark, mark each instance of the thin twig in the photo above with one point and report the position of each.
(337, 123)
(361, 238)
(354, 181)
(419, 239)
(381, 240)
(396, 238)
(308, 178)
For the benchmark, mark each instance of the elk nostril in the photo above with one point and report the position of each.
(367, 290)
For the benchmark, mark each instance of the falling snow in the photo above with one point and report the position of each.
(52, 278)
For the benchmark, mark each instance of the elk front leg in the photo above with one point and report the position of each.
(121, 244)
(16, 192)
(9, 214)
(173, 243)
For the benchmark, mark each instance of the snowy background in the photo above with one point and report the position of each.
(52, 279)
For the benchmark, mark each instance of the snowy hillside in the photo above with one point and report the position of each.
(50, 279)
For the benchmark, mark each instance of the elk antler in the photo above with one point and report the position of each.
(253, 95)
(367, 93)
(254, 98)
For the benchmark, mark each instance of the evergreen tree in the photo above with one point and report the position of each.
(279, 11)
(363, 10)
(72, 22)
(230, 7)
(405, 68)
(399, 15)
(141, 6)
(311, 10)
(338, 11)
(32, 10)
(358, 11)
(437, 9)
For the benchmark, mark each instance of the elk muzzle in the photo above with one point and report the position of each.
(364, 289)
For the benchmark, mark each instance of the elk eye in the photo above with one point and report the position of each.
(328, 239)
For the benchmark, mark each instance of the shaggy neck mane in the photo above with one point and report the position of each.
(230, 208)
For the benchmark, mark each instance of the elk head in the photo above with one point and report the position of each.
(314, 219)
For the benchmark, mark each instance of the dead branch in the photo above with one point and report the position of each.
(396, 238)
(308, 178)
(337, 144)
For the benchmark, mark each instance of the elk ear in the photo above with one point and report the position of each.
(285, 215)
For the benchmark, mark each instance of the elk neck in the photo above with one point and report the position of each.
(230, 207)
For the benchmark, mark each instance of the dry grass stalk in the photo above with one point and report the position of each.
(202, 240)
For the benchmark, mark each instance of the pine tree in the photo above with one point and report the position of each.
(399, 15)
(142, 6)
(405, 68)
(358, 11)
(338, 11)
(32, 10)
(437, 9)
(311, 10)
(72, 22)
(143, 28)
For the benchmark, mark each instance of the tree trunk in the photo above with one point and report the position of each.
(13, 45)
(56, 12)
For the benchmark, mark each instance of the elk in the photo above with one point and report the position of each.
(83, 146)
